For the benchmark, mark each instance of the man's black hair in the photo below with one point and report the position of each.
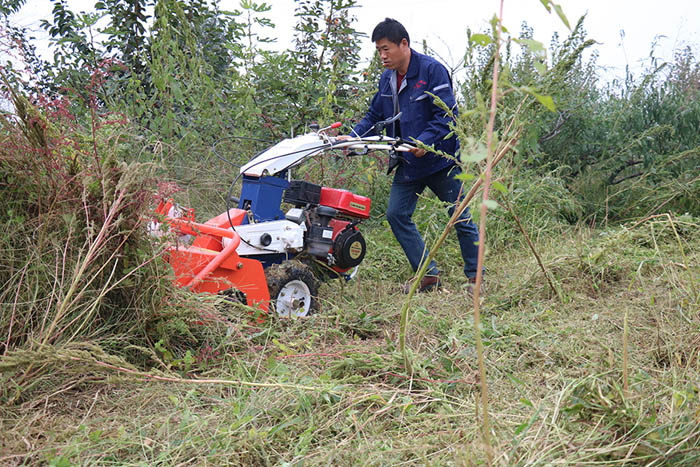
(391, 30)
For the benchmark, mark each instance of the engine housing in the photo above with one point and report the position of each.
(349, 248)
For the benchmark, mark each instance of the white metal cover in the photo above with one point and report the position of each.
(287, 237)
(285, 154)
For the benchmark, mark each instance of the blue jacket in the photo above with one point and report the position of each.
(420, 118)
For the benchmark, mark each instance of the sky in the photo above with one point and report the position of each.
(624, 29)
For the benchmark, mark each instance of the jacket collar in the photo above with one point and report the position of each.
(412, 72)
(413, 65)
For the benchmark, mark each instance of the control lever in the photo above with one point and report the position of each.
(394, 158)
(379, 126)
(394, 161)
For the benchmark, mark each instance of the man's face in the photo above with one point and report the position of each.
(393, 56)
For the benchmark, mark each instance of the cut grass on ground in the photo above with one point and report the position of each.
(339, 394)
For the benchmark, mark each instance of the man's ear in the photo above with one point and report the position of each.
(404, 42)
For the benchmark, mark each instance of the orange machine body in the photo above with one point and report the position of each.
(206, 265)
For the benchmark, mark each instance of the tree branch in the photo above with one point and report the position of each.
(628, 164)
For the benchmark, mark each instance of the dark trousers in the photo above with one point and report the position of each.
(402, 204)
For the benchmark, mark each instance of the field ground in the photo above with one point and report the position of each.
(332, 390)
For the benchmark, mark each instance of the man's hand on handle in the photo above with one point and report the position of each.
(418, 152)
(346, 151)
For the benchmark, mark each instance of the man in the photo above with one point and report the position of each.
(404, 88)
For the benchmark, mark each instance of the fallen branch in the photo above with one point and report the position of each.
(555, 290)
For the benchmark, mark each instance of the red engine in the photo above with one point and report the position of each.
(332, 217)
(348, 203)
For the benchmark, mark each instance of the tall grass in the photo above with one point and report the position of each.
(77, 264)
(103, 362)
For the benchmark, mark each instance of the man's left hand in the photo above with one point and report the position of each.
(418, 152)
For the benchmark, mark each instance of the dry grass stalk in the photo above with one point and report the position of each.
(486, 426)
(625, 356)
(14, 309)
(555, 290)
(170, 379)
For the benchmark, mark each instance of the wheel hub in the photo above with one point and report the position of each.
(294, 299)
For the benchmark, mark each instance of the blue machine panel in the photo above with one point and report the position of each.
(270, 259)
(263, 196)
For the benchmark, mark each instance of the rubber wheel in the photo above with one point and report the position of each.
(293, 289)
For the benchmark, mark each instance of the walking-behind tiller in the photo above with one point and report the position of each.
(259, 254)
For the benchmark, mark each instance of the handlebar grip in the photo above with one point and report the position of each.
(336, 125)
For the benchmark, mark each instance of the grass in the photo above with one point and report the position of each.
(101, 363)
(337, 392)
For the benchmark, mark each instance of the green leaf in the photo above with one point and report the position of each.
(540, 67)
(61, 462)
(480, 39)
(515, 380)
(495, 22)
(548, 4)
(546, 101)
(478, 155)
(159, 82)
(500, 187)
(519, 429)
(465, 177)
(533, 45)
(177, 92)
(490, 204)
(562, 16)
(526, 401)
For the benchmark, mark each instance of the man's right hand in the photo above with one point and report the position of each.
(418, 152)
(346, 151)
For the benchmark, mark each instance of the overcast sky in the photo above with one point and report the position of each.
(672, 24)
